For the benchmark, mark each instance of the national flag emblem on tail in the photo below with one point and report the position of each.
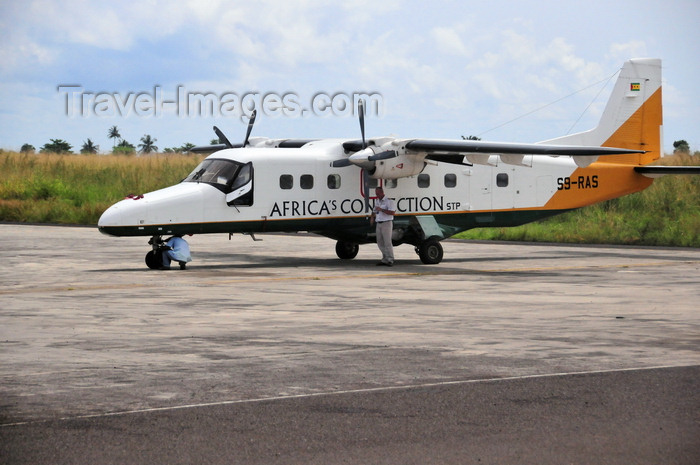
(635, 86)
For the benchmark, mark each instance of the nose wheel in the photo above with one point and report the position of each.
(154, 260)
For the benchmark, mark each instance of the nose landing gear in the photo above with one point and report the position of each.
(154, 258)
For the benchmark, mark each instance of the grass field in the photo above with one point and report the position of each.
(667, 213)
(76, 189)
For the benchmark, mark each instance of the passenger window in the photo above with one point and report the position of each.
(306, 181)
(334, 181)
(423, 180)
(502, 180)
(373, 183)
(286, 181)
(450, 180)
(391, 183)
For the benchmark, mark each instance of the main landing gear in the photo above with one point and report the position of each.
(429, 251)
(346, 250)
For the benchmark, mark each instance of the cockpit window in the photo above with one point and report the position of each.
(219, 173)
(243, 177)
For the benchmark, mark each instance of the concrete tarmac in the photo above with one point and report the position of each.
(278, 352)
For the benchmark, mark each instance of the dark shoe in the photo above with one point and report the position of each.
(183, 265)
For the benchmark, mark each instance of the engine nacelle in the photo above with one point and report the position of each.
(398, 167)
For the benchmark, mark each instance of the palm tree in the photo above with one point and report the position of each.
(89, 147)
(147, 144)
(113, 133)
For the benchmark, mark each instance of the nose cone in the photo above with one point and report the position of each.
(165, 211)
(111, 218)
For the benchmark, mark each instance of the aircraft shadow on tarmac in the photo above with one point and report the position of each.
(216, 261)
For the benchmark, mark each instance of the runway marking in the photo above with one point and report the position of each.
(343, 392)
(470, 271)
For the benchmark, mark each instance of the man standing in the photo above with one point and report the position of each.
(383, 215)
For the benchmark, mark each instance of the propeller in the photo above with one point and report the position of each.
(365, 172)
(365, 157)
(361, 113)
(227, 143)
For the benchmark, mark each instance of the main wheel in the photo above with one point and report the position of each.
(430, 252)
(154, 260)
(346, 250)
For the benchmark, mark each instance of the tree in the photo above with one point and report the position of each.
(27, 148)
(124, 148)
(187, 146)
(147, 144)
(113, 133)
(89, 147)
(57, 146)
(471, 138)
(681, 146)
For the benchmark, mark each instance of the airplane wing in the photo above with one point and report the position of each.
(446, 148)
(455, 151)
(212, 148)
(283, 143)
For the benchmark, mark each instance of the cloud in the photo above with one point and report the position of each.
(449, 42)
(439, 69)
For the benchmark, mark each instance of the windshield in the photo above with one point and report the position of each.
(214, 171)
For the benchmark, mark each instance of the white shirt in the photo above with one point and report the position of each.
(386, 204)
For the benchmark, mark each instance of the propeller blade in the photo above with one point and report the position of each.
(222, 137)
(385, 155)
(250, 127)
(361, 113)
(365, 184)
(341, 163)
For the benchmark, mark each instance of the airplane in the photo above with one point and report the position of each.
(440, 187)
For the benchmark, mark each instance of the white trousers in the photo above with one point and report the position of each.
(384, 230)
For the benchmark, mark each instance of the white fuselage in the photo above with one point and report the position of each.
(297, 189)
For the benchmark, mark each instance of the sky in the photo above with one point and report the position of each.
(511, 71)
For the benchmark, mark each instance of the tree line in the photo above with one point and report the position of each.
(119, 145)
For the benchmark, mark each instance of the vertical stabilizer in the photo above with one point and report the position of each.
(632, 118)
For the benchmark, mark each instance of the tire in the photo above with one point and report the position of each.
(346, 250)
(430, 252)
(153, 260)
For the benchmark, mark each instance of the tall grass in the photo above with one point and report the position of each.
(667, 213)
(51, 188)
